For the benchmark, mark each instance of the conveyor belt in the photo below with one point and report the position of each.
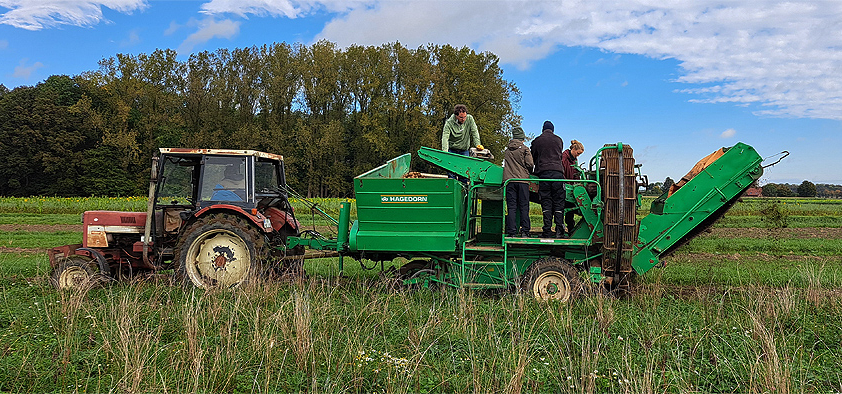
(619, 185)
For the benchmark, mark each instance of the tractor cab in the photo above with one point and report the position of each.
(199, 178)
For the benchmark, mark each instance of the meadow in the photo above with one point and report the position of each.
(753, 306)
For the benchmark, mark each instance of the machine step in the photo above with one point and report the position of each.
(485, 248)
(485, 285)
(489, 263)
(545, 241)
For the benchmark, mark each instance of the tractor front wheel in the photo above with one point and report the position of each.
(75, 272)
(552, 279)
(219, 251)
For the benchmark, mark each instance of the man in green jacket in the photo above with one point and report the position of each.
(460, 132)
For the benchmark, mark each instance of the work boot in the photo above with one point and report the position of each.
(548, 224)
(525, 234)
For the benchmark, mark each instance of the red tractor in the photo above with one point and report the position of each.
(216, 218)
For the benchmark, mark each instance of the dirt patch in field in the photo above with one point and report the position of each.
(714, 258)
(784, 233)
(698, 292)
(41, 228)
(4, 249)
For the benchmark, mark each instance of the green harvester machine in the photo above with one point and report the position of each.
(452, 233)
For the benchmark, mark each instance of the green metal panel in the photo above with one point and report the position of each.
(395, 168)
(476, 170)
(695, 205)
(591, 213)
(406, 214)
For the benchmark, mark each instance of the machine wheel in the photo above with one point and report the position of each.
(219, 251)
(75, 272)
(552, 279)
(418, 269)
(412, 268)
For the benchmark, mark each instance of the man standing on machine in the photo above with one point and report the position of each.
(546, 152)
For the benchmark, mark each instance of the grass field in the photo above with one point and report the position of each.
(750, 307)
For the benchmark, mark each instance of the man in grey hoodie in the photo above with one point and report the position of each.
(517, 163)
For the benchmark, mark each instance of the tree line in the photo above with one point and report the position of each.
(332, 113)
(804, 189)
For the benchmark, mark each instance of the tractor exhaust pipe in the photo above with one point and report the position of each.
(147, 229)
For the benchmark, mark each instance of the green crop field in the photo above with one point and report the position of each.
(752, 306)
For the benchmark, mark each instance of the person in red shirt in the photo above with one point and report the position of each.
(571, 171)
(569, 160)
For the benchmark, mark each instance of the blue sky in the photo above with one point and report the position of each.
(675, 79)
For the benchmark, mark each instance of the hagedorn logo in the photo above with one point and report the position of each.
(403, 199)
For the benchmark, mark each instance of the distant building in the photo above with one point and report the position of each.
(754, 192)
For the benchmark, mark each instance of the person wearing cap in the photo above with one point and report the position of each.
(231, 187)
(517, 164)
(547, 151)
(460, 132)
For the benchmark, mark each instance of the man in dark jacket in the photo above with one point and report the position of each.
(517, 163)
(546, 152)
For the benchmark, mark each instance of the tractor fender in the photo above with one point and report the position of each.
(100, 259)
(61, 251)
(280, 219)
(254, 216)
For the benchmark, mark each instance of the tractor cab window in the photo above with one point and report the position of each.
(224, 179)
(177, 181)
(266, 177)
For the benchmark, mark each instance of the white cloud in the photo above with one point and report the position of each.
(23, 71)
(208, 29)
(782, 57)
(728, 133)
(174, 26)
(132, 40)
(284, 8)
(40, 14)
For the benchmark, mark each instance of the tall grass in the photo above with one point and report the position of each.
(725, 323)
(58, 205)
(335, 335)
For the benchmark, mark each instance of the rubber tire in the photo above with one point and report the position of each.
(409, 269)
(235, 243)
(73, 273)
(552, 279)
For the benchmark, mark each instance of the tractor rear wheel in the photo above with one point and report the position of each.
(552, 279)
(75, 272)
(219, 251)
